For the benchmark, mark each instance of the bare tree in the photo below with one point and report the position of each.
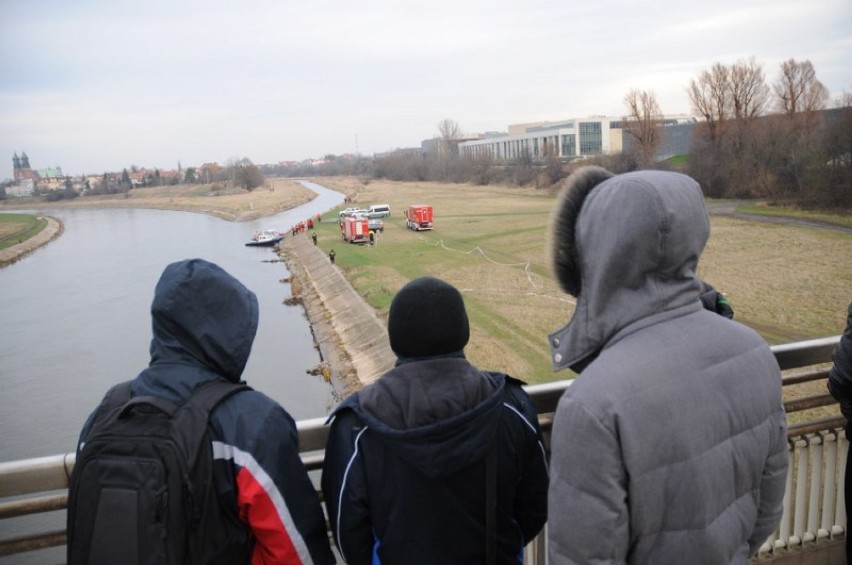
(553, 170)
(749, 93)
(449, 129)
(246, 174)
(449, 132)
(446, 163)
(643, 123)
(798, 89)
(709, 96)
(843, 100)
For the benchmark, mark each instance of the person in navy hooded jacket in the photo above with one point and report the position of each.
(413, 459)
(204, 323)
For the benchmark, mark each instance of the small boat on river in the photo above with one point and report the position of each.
(266, 238)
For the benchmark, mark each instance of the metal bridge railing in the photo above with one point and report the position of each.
(813, 504)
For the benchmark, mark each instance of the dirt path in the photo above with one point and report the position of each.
(730, 209)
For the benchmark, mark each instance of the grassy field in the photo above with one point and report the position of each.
(788, 283)
(16, 228)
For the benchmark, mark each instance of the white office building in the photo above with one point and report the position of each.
(578, 137)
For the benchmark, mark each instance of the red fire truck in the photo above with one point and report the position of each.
(418, 217)
(355, 229)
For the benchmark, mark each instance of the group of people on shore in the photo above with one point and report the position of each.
(304, 225)
(669, 446)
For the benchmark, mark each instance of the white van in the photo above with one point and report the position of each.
(378, 211)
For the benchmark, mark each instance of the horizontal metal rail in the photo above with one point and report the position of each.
(47, 477)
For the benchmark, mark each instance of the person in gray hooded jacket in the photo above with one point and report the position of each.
(670, 445)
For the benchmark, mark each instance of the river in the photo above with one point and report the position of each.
(76, 316)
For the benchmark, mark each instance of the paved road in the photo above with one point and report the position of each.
(729, 208)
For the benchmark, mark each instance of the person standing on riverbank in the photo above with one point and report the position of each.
(670, 446)
(437, 461)
(204, 324)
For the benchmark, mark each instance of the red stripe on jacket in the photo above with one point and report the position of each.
(257, 510)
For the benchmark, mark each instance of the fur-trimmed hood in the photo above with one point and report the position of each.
(627, 246)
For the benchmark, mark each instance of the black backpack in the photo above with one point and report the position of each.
(142, 488)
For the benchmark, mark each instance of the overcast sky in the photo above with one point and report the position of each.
(94, 86)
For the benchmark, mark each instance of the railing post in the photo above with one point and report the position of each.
(815, 453)
(830, 442)
(840, 502)
(786, 521)
(801, 484)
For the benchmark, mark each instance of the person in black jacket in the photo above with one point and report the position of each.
(413, 459)
(715, 301)
(840, 386)
(204, 323)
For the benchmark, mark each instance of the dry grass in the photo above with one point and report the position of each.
(788, 283)
(236, 205)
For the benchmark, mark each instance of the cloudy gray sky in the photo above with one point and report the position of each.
(94, 86)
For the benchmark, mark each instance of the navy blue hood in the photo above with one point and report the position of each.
(201, 315)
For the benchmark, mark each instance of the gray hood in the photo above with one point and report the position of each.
(637, 240)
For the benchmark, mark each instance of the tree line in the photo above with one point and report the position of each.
(777, 141)
(754, 140)
(238, 173)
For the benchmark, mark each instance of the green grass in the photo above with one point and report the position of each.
(788, 283)
(17, 228)
(678, 160)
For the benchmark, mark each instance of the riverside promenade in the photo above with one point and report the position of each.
(11, 254)
(350, 336)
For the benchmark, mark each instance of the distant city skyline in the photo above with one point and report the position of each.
(93, 86)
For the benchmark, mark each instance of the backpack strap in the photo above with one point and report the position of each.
(114, 398)
(161, 404)
(210, 394)
(195, 413)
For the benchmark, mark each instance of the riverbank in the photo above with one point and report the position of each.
(350, 336)
(232, 204)
(11, 254)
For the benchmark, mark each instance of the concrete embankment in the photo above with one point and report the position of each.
(11, 254)
(351, 337)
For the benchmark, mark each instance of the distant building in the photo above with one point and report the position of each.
(21, 167)
(434, 145)
(24, 181)
(21, 188)
(400, 151)
(50, 178)
(573, 138)
(27, 179)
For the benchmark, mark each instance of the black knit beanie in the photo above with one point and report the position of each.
(427, 318)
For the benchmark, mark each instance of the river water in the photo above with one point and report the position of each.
(75, 317)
